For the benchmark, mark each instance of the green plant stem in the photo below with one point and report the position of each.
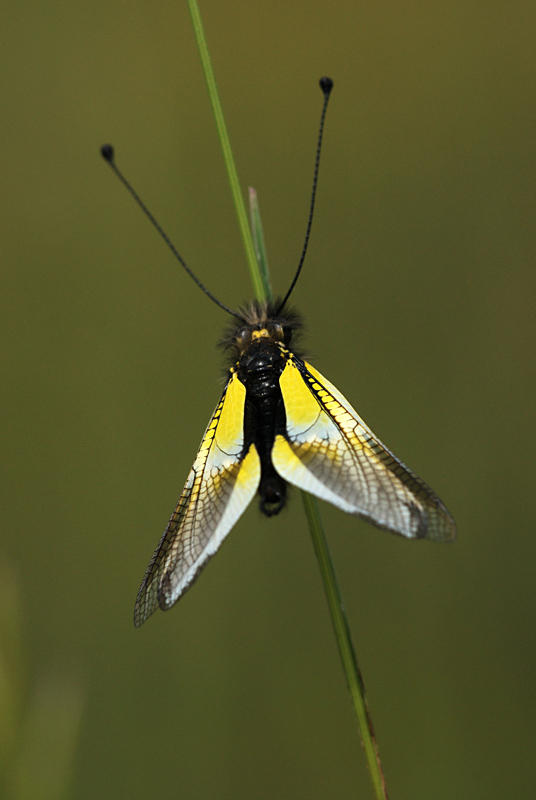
(261, 283)
(258, 239)
(344, 641)
(249, 247)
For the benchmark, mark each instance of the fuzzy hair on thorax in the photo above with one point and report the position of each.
(262, 317)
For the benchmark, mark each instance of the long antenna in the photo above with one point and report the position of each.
(107, 152)
(326, 84)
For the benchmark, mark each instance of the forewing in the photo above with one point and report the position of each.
(221, 484)
(330, 452)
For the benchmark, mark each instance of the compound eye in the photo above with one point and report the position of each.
(277, 331)
(243, 339)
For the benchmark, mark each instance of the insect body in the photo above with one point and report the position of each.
(279, 421)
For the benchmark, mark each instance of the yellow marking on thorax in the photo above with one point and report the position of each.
(260, 334)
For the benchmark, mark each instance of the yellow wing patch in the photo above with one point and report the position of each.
(220, 486)
(330, 452)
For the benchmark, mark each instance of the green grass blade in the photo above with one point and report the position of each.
(258, 266)
(258, 241)
(344, 642)
(227, 152)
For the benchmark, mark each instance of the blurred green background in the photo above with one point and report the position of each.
(418, 293)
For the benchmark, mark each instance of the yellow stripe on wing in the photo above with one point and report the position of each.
(330, 452)
(220, 486)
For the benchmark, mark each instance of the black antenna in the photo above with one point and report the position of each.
(326, 84)
(107, 152)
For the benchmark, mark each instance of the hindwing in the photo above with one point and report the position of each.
(222, 482)
(329, 451)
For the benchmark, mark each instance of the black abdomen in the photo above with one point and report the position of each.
(259, 369)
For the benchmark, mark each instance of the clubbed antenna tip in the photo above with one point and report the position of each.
(326, 84)
(107, 152)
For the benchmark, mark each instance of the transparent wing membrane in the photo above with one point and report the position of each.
(330, 452)
(221, 484)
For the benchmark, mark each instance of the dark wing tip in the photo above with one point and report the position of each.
(441, 525)
(146, 603)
